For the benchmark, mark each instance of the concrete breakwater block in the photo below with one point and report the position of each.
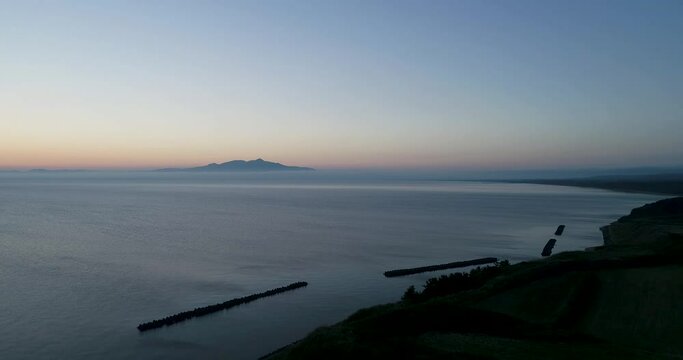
(457, 264)
(548, 248)
(560, 230)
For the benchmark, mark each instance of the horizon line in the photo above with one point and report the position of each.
(383, 168)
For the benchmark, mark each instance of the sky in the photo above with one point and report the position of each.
(341, 84)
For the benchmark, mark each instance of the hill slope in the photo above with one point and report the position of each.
(242, 165)
(615, 301)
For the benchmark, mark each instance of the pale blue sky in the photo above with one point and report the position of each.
(442, 84)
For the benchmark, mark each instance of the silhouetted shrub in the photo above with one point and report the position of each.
(452, 265)
(456, 282)
(410, 294)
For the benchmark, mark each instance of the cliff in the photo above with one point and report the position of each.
(650, 223)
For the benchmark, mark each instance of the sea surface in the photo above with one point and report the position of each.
(86, 257)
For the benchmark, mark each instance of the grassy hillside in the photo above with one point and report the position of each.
(616, 301)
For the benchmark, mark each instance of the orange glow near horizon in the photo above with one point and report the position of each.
(23, 156)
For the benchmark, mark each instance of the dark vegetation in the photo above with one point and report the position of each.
(452, 265)
(615, 301)
(666, 209)
(456, 282)
(450, 318)
(400, 333)
(186, 315)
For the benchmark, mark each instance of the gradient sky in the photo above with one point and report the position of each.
(339, 84)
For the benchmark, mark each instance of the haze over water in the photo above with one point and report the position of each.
(86, 257)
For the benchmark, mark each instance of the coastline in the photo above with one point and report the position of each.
(565, 306)
(671, 185)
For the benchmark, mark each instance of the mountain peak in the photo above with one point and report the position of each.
(242, 165)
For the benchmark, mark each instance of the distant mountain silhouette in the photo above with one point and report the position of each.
(55, 170)
(242, 165)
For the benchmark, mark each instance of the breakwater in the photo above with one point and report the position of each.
(201, 311)
(457, 264)
(548, 248)
(560, 230)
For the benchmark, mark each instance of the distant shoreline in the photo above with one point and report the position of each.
(640, 185)
(654, 184)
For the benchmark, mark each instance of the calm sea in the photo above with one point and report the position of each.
(86, 257)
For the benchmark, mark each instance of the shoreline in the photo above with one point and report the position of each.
(643, 247)
(638, 185)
